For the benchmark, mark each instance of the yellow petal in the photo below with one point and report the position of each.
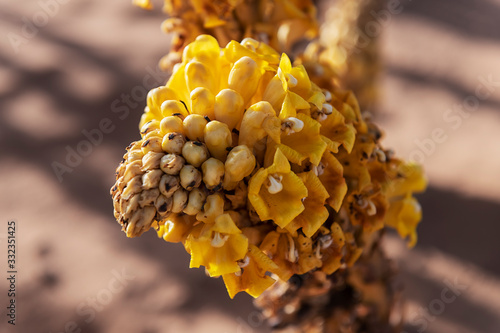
(204, 49)
(315, 212)
(217, 260)
(280, 163)
(404, 215)
(225, 224)
(304, 144)
(214, 207)
(253, 279)
(144, 4)
(335, 129)
(256, 117)
(176, 228)
(333, 180)
(412, 180)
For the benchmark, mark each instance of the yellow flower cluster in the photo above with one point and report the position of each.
(278, 23)
(256, 170)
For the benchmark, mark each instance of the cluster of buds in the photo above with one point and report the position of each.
(280, 24)
(260, 173)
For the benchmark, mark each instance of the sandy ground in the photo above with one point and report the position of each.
(77, 272)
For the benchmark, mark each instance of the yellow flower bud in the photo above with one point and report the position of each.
(195, 153)
(229, 107)
(163, 206)
(198, 75)
(171, 164)
(259, 121)
(152, 144)
(202, 102)
(151, 134)
(218, 138)
(173, 108)
(244, 77)
(213, 207)
(239, 164)
(157, 96)
(195, 202)
(213, 171)
(190, 177)
(150, 126)
(173, 143)
(194, 126)
(168, 185)
(180, 199)
(171, 124)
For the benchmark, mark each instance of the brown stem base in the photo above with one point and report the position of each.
(360, 298)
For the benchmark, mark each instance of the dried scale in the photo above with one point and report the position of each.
(266, 173)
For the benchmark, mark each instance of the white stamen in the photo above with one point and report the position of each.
(238, 273)
(293, 254)
(328, 95)
(292, 125)
(372, 210)
(275, 185)
(218, 240)
(325, 241)
(318, 253)
(244, 262)
(318, 170)
(380, 155)
(362, 203)
(327, 109)
(250, 43)
(292, 81)
(321, 117)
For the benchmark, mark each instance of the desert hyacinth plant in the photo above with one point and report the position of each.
(272, 182)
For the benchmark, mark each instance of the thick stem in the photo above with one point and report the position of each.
(360, 298)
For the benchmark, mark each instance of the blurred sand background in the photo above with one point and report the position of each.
(67, 73)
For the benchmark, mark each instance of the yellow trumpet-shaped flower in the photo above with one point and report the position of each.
(252, 277)
(306, 143)
(315, 212)
(276, 192)
(218, 246)
(404, 216)
(258, 122)
(176, 228)
(330, 172)
(331, 244)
